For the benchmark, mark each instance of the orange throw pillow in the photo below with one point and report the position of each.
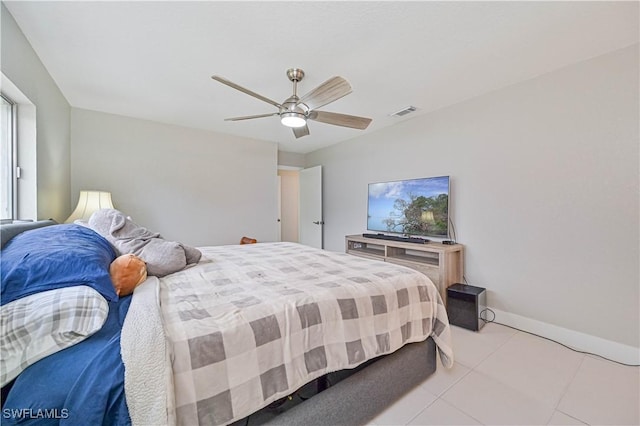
(127, 271)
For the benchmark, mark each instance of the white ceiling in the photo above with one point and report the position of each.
(154, 60)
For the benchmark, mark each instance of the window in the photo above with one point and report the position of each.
(7, 159)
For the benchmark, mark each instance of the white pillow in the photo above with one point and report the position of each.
(42, 324)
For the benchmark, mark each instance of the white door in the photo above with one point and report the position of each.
(310, 223)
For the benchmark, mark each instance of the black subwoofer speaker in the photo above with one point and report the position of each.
(464, 304)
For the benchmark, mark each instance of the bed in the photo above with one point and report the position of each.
(237, 333)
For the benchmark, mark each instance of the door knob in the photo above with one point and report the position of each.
(319, 222)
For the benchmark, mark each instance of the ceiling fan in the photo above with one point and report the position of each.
(294, 111)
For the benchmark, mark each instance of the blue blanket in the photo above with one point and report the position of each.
(80, 385)
(55, 257)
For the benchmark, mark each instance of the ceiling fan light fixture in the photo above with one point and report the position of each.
(293, 119)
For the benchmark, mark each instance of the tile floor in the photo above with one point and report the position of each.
(505, 377)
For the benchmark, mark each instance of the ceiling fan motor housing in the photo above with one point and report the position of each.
(292, 113)
(293, 104)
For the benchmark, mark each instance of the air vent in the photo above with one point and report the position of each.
(404, 111)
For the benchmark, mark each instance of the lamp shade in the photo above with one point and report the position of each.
(89, 202)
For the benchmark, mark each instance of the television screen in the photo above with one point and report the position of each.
(411, 207)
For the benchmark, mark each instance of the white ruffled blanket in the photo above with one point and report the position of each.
(148, 382)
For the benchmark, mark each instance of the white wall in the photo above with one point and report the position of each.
(545, 191)
(45, 189)
(192, 186)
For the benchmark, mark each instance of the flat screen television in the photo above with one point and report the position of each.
(410, 207)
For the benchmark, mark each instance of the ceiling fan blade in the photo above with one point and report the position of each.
(249, 117)
(343, 120)
(329, 91)
(300, 131)
(247, 91)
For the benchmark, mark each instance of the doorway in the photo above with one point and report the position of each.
(289, 180)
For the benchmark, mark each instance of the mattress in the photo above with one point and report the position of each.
(250, 324)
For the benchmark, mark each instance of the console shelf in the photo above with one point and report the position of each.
(443, 264)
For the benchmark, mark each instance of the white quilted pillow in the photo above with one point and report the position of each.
(42, 324)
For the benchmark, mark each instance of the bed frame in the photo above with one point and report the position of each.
(356, 396)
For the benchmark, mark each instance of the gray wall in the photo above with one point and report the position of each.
(48, 175)
(545, 191)
(291, 159)
(193, 186)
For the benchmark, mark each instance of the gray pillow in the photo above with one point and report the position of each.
(10, 230)
(161, 256)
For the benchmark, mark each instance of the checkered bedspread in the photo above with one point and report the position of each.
(250, 324)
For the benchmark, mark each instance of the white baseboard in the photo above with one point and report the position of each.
(574, 339)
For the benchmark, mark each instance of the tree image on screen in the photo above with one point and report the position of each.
(411, 207)
(419, 215)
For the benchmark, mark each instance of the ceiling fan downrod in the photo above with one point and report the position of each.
(295, 75)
